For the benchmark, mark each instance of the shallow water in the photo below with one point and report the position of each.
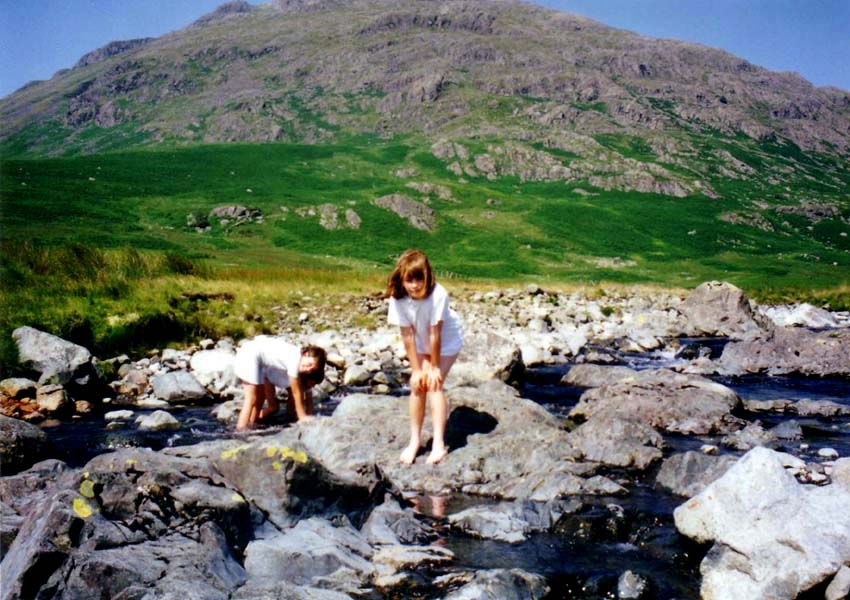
(589, 550)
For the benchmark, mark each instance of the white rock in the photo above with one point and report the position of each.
(158, 421)
(118, 414)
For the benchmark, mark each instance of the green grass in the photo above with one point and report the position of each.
(89, 237)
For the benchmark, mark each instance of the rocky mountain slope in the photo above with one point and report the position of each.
(499, 87)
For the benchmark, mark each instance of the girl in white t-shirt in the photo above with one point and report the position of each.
(268, 362)
(432, 337)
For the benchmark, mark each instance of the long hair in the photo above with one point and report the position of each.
(315, 376)
(413, 264)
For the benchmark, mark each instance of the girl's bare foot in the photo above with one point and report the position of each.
(437, 454)
(409, 455)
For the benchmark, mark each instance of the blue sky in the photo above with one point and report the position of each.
(812, 37)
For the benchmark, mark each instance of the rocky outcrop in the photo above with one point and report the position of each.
(55, 359)
(790, 350)
(664, 400)
(773, 537)
(417, 214)
(720, 309)
(21, 445)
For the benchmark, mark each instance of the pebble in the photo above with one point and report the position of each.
(828, 453)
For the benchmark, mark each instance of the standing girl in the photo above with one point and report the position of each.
(432, 337)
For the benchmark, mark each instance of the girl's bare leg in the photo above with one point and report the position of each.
(416, 408)
(254, 398)
(440, 414)
(271, 399)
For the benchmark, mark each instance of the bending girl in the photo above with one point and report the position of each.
(432, 337)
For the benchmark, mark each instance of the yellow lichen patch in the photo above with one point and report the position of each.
(87, 488)
(277, 466)
(130, 462)
(271, 451)
(85, 474)
(82, 508)
(234, 452)
(296, 455)
(237, 497)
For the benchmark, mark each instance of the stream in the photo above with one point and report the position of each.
(588, 549)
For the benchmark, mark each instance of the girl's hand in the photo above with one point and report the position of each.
(435, 379)
(418, 380)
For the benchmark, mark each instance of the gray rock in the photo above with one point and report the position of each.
(312, 549)
(617, 442)
(118, 415)
(501, 584)
(689, 473)
(389, 524)
(664, 400)
(134, 382)
(631, 586)
(53, 400)
(786, 350)
(749, 437)
(417, 214)
(486, 356)
(839, 587)
(802, 315)
(178, 387)
(721, 309)
(18, 388)
(489, 454)
(214, 368)
(158, 420)
(21, 445)
(511, 521)
(51, 356)
(773, 537)
(787, 430)
(590, 375)
(356, 375)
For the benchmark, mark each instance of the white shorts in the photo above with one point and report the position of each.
(266, 358)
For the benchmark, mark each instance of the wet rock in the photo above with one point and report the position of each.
(664, 400)
(617, 442)
(749, 437)
(178, 387)
(391, 561)
(720, 309)
(511, 522)
(18, 388)
(501, 583)
(590, 375)
(389, 524)
(786, 351)
(21, 445)
(118, 415)
(311, 550)
(159, 420)
(787, 430)
(820, 408)
(773, 537)
(632, 586)
(689, 473)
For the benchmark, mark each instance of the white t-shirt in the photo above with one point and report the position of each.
(422, 314)
(267, 357)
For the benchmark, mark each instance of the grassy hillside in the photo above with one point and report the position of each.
(98, 248)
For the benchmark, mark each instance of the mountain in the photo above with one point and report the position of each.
(556, 96)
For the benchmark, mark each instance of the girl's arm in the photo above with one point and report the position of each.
(435, 376)
(299, 399)
(408, 337)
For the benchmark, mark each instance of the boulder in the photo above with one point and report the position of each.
(486, 356)
(590, 375)
(390, 524)
(215, 369)
(179, 387)
(55, 359)
(664, 400)
(617, 442)
(773, 537)
(159, 420)
(489, 454)
(689, 473)
(18, 388)
(511, 522)
(786, 351)
(21, 445)
(501, 584)
(53, 400)
(720, 309)
(802, 315)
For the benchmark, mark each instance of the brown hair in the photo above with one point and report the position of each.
(413, 264)
(315, 376)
